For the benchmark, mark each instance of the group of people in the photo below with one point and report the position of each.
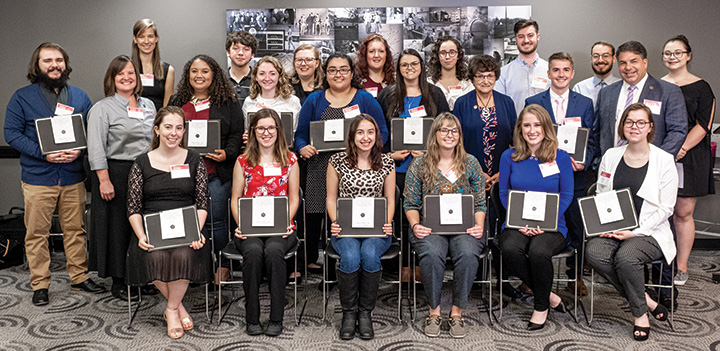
(492, 126)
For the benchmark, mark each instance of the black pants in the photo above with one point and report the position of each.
(268, 252)
(530, 259)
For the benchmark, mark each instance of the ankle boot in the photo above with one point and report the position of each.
(369, 283)
(348, 286)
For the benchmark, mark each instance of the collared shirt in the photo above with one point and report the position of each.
(114, 135)
(622, 99)
(516, 80)
(591, 87)
(553, 98)
(242, 87)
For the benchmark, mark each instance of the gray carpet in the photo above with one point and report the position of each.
(80, 321)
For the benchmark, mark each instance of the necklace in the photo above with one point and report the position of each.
(627, 154)
(484, 109)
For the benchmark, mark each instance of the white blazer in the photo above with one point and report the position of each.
(659, 192)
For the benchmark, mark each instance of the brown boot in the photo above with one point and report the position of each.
(405, 274)
(582, 289)
(222, 273)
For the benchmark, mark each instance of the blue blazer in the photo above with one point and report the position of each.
(670, 125)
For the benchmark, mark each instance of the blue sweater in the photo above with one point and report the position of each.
(316, 103)
(525, 175)
(26, 105)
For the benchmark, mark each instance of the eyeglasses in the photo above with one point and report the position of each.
(639, 124)
(262, 130)
(333, 71)
(490, 76)
(451, 53)
(677, 53)
(446, 131)
(413, 64)
(598, 56)
(306, 61)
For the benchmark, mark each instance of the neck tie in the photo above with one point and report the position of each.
(602, 83)
(559, 110)
(628, 102)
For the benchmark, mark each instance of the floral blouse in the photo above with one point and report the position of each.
(260, 185)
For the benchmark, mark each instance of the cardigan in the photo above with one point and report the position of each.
(658, 191)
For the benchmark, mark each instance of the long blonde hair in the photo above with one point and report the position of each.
(548, 146)
(283, 88)
(432, 157)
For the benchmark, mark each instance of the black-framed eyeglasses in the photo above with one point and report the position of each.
(605, 56)
(262, 130)
(414, 64)
(639, 124)
(677, 53)
(333, 71)
(446, 131)
(489, 76)
(451, 53)
(306, 61)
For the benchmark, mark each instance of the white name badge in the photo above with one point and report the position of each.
(271, 170)
(534, 205)
(455, 90)
(549, 168)
(197, 133)
(62, 128)
(412, 131)
(62, 109)
(263, 211)
(373, 91)
(352, 111)
(567, 135)
(136, 112)
(451, 209)
(655, 106)
(260, 106)
(539, 82)
(604, 178)
(418, 112)
(573, 121)
(450, 174)
(148, 80)
(202, 106)
(172, 224)
(179, 171)
(681, 175)
(608, 207)
(334, 130)
(363, 212)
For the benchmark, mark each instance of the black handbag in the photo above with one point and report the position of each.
(12, 237)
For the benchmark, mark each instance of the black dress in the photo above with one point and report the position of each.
(156, 93)
(151, 190)
(698, 162)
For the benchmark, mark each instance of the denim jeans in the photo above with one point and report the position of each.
(356, 253)
(220, 193)
(432, 252)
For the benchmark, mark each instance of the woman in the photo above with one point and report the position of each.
(361, 171)
(446, 165)
(119, 130)
(410, 91)
(694, 155)
(375, 64)
(205, 93)
(307, 75)
(266, 149)
(158, 77)
(650, 174)
(342, 90)
(536, 164)
(448, 69)
(152, 188)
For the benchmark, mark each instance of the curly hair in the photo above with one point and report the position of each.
(283, 88)
(220, 91)
(354, 82)
(399, 90)
(482, 63)
(351, 149)
(319, 74)
(361, 70)
(435, 67)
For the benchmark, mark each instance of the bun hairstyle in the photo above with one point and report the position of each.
(684, 40)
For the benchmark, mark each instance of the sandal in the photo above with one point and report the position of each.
(660, 311)
(638, 333)
(173, 333)
(187, 323)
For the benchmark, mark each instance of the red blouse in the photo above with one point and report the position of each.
(260, 185)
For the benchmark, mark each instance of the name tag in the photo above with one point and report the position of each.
(179, 171)
(654, 106)
(549, 168)
(418, 111)
(61, 109)
(539, 82)
(455, 90)
(260, 106)
(270, 170)
(148, 80)
(604, 178)
(351, 111)
(136, 112)
(573, 121)
(202, 106)
(450, 174)
(373, 91)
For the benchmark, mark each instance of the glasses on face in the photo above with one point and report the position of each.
(605, 56)
(639, 124)
(405, 65)
(306, 61)
(451, 53)
(262, 130)
(446, 131)
(677, 53)
(333, 71)
(481, 77)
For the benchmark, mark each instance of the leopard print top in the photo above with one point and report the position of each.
(354, 182)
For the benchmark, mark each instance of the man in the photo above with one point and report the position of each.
(527, 74)
(565, 107)
(240, 47)
(53, 180)
(664, 99)
(602, 56)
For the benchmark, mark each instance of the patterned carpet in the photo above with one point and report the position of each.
(80, 321)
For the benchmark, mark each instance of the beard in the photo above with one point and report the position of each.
(601, 72)
(527, 52)
(53, 83)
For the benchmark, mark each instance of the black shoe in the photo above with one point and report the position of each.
(40, 297)
(347, 327)
(637, 333)
(365, 327)
(274, 328)
(560, 307)
(254, 329)
(121, 294)
(660, 312)
(535, 326)
(667, 302)
(511, 292)
(89, 286)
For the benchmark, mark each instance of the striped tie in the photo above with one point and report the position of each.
(628, 102)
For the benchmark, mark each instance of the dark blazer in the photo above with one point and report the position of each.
(670, 125)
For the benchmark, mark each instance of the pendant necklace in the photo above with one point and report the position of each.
(484, 109)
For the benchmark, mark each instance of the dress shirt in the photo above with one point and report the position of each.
(591, 86)
(622, 100)
(516, 80)
(553, 98)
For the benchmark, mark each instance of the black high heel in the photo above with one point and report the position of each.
(637, 333)
(660, 309)
(560, 307)
(534, 326)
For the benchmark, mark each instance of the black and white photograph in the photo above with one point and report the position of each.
(253, 21)
(371, 21)
(503, 18)
(414, 21)
(314, 24)
(346, 29)
(475, 30)
(394, 15)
